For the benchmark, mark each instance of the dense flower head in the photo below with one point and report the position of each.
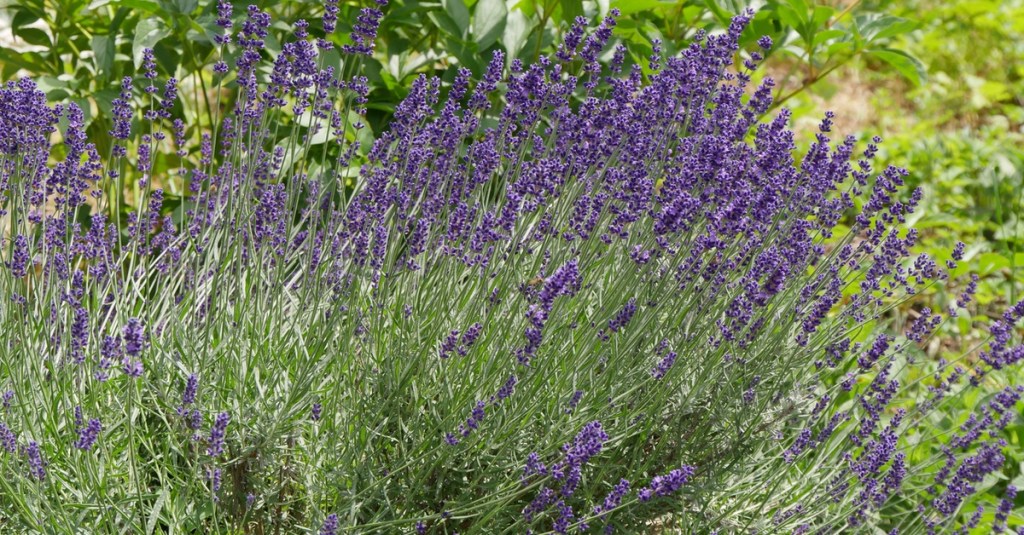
(36, 463)
(667, 484)
(364, 31)
(330, 525)
(215, 444)
(88, 434)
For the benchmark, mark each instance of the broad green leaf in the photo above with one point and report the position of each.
(790, 17)
(181, 7)
(103, 53)
(991, 262)
(517, 31)
(149, 6)
(33, 36)
(827, 35)
(204, 28)
(841, 47)
(801, 7)
(456, 9)
(54, 87)
(821, 16)
(445, 23)
(488, 22)
(627, 7)
(904, 63)
(887, 27)
(723, 15)
(148, 33)
(31, 61)
(571, 9)
(24, 17)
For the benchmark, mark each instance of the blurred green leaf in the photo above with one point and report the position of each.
(517, 32)
(24, 17)
(456, 9)
(991, 262)
(33, 36)
(821, 16)
(103, 51)
(148, 33)
(204, 29)
(181, 7)
(445, 23)
(723, 15)
(571, 9)
(628, 7)
(905, 64)
(887, 27)
(821, 38)
(488, 22)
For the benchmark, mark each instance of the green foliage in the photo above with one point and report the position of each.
(91, 45)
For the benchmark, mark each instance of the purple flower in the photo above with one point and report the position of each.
(613, 499)
(575, 400)
(671, 482)
(449, 344)
(215, 477)
(623, 317)
(8, 438)
(330, 525)
(224, 9)
(87, 435)
(1004, 509)
(330, 19)
(36, 463)
(188, 396)
(134, 337)
(132, 368)
(215, 445)
(664, 365)
(364, 31)
(19, 257)
(564, 281)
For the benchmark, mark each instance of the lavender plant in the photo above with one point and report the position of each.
(563, 298)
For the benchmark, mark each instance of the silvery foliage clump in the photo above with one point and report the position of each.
(566, 297)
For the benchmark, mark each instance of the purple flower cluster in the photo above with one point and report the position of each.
(215, 444)
(667, 484)
(565, 281)
(330, 525)
(364, 31)
(88, 434)
(568, 472)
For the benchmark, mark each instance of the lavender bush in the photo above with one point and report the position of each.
(562, 298)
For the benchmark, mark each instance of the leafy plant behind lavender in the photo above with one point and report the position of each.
(78, 51)
(564, 296)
